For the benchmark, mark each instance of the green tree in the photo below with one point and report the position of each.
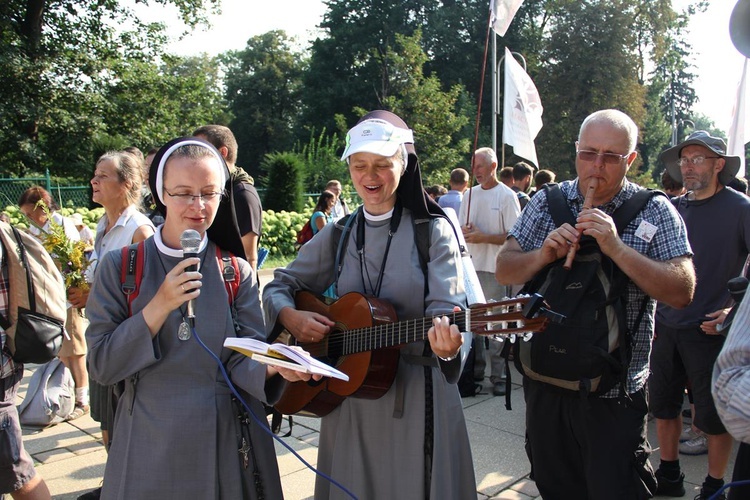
(432, 114)
(263, 90)
(346, 68)
(322, 161)
(655, 133)
(284, 182)
(579, 80)
(149, 104)
(54, 56)
(670, 94)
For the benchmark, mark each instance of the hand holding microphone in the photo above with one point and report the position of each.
(190, 241)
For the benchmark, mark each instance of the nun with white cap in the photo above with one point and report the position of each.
(176, 431)
(411, 442)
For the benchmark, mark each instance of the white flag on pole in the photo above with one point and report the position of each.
(522, 110)
(739, 131)
(502, 14)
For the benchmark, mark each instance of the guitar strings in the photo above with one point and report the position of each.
(366, 338)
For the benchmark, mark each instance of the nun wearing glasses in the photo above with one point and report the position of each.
(177, 433)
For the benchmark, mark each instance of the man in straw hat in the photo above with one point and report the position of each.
(687, 340)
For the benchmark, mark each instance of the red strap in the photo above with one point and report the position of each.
(230, 273)
(131, 272)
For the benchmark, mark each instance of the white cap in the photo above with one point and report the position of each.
(376, 136)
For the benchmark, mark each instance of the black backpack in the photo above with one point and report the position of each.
(589, 352)
(467, 387)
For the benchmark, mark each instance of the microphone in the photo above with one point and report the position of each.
(190, 241)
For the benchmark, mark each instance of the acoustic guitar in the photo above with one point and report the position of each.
(364, 343)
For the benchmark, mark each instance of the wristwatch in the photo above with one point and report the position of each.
(450, 358)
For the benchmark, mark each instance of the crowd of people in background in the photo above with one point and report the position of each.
(504, 216)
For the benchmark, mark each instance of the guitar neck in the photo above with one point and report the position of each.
(496, 318)
(388, 334)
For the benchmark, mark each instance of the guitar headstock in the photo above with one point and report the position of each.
(512, 316)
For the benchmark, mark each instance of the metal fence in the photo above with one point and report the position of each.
(11, 190)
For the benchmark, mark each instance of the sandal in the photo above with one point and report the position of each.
(79, 411)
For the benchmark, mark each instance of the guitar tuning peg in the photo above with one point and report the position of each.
(527, 336)
(512, 338)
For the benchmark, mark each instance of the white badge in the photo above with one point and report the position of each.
(646, 231)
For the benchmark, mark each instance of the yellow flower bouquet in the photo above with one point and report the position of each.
(68, 254)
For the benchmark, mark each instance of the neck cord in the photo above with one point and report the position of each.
(395, 221)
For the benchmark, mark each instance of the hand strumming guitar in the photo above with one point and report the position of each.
(305, 326)
(445, 339)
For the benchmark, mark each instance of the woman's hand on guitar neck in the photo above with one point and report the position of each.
(305, 326)
(445, 339)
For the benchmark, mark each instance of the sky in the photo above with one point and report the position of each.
(718, 64)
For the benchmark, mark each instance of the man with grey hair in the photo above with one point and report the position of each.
(487, 212)
(595, 446)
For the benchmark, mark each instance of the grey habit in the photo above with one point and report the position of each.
(375, 448)
(176, 432)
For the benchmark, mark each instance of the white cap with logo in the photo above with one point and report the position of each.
(376, 136)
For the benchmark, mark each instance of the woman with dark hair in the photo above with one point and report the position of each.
(32, 209)
(73, 350)
(177, 433)
(322, 212)
(411, 442)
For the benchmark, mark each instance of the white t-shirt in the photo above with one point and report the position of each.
(339, 210)
(68, 225)
(493, 211)
(121, 235)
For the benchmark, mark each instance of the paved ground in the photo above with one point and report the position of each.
(71, 458)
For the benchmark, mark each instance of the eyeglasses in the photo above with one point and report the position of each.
(695, 160)
(187, 198)
(608, 158)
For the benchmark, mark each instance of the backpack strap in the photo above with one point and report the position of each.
(343, 226)
(131, 272)
(633, 206)
(622, 217)
(558, 205)
(341, 230)
(422, 236)
(230, 271)
(21, 251)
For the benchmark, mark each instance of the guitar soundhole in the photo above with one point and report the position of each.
(328, 350)
(334, 345)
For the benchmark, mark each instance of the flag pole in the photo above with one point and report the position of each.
(479, 110)
(738, 133)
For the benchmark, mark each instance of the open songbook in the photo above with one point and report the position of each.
(286, 356)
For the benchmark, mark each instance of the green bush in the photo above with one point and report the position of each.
(279, 228)
(284, 182)
(280, 231)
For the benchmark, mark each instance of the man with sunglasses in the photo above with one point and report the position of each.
(595, 446)
(687, 341)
